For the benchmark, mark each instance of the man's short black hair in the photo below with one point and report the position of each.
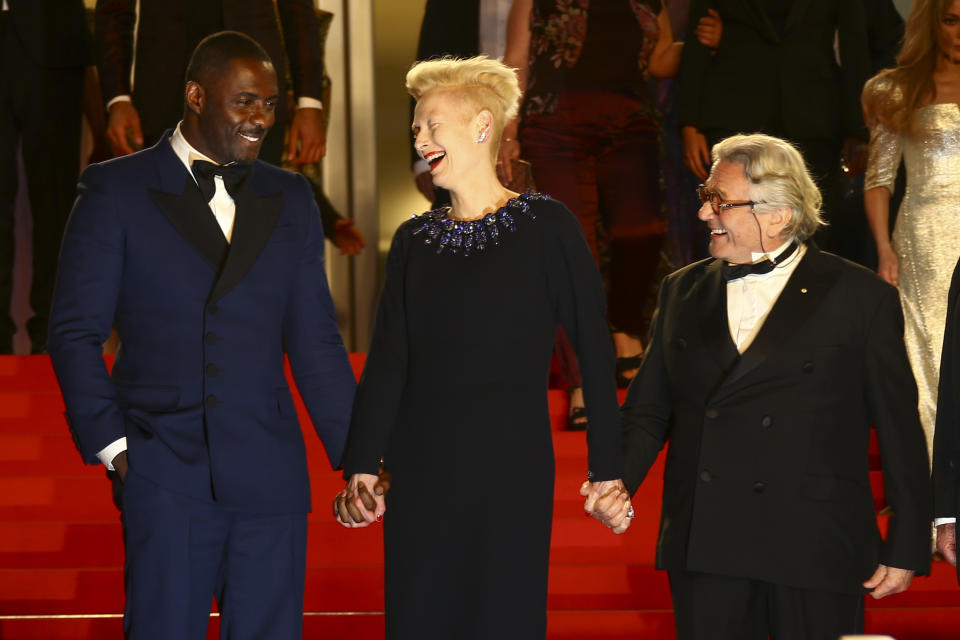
(216, 51)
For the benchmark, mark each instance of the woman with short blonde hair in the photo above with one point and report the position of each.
(453, 396)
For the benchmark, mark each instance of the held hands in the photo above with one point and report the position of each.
(947, 542)
(886, 581)
(608, 502)
(361, 501)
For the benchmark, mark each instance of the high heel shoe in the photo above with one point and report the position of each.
(577, 417)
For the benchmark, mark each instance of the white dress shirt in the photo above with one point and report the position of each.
(223, 209)
(749, 299)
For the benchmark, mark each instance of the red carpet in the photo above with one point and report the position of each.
(61, 553)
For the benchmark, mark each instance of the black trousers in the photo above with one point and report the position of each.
(712, 607)
(41, 109)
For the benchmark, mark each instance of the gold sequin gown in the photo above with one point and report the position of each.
(925, 235)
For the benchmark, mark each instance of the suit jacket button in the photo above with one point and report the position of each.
(766, 422)
(712, 413)
(210, 338)
(212, 370)
(807, 367)
(758, 487)
(705, 476)
(681, 344)
(212, 401)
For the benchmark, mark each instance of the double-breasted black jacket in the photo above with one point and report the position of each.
(767, 469)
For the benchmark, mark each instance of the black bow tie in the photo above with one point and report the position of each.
(734, 271)
(233, 176)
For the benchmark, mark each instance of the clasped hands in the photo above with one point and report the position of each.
(609, 502)
(362, 501)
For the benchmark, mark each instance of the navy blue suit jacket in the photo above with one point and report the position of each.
(198, 387)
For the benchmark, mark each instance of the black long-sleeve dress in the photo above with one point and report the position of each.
(453, 396)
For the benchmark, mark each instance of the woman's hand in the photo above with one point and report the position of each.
(888, 265)
(361, 502)
(608, 502)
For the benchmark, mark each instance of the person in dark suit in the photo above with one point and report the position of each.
(209, 263)
(776, 72)
(166, 33)
(766, 366)
(45, 49)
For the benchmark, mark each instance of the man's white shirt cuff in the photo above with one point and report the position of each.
(303, 102)
(121, 98)
(111, 451)
(939, 521)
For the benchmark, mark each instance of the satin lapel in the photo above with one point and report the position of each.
(256, 216)
(183, 205)
(712, 311)
(799, 300)
(764, 26)
(796, 14)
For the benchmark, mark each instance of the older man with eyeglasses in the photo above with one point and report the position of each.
(767, 365)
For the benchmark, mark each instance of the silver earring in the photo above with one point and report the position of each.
(483, 135)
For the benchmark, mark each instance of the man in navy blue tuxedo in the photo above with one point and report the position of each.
(209, 263)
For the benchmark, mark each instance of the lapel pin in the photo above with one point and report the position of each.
(803, 290)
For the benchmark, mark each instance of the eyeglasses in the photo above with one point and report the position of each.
(718, 205)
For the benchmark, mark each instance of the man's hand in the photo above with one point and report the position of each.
(425, 185)
(888, 580)
(120, 464)
(709, 29)
(306, 136)
(608, 502)
(347, 238)
(695, 152)
(361, 502)
(123, 128)
(947, 542)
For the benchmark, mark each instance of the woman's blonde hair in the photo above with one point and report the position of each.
(483, 84)
(892, 96)
(778, 178)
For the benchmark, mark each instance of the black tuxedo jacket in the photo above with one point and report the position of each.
(767, 474)
(54, 33)
(788, 83)
(162, 52)
(198, 388)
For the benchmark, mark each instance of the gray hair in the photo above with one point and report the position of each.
(778, 178)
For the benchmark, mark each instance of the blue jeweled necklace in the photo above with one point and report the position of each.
(466, 236)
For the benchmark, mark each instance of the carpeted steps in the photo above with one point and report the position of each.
(61, 553)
